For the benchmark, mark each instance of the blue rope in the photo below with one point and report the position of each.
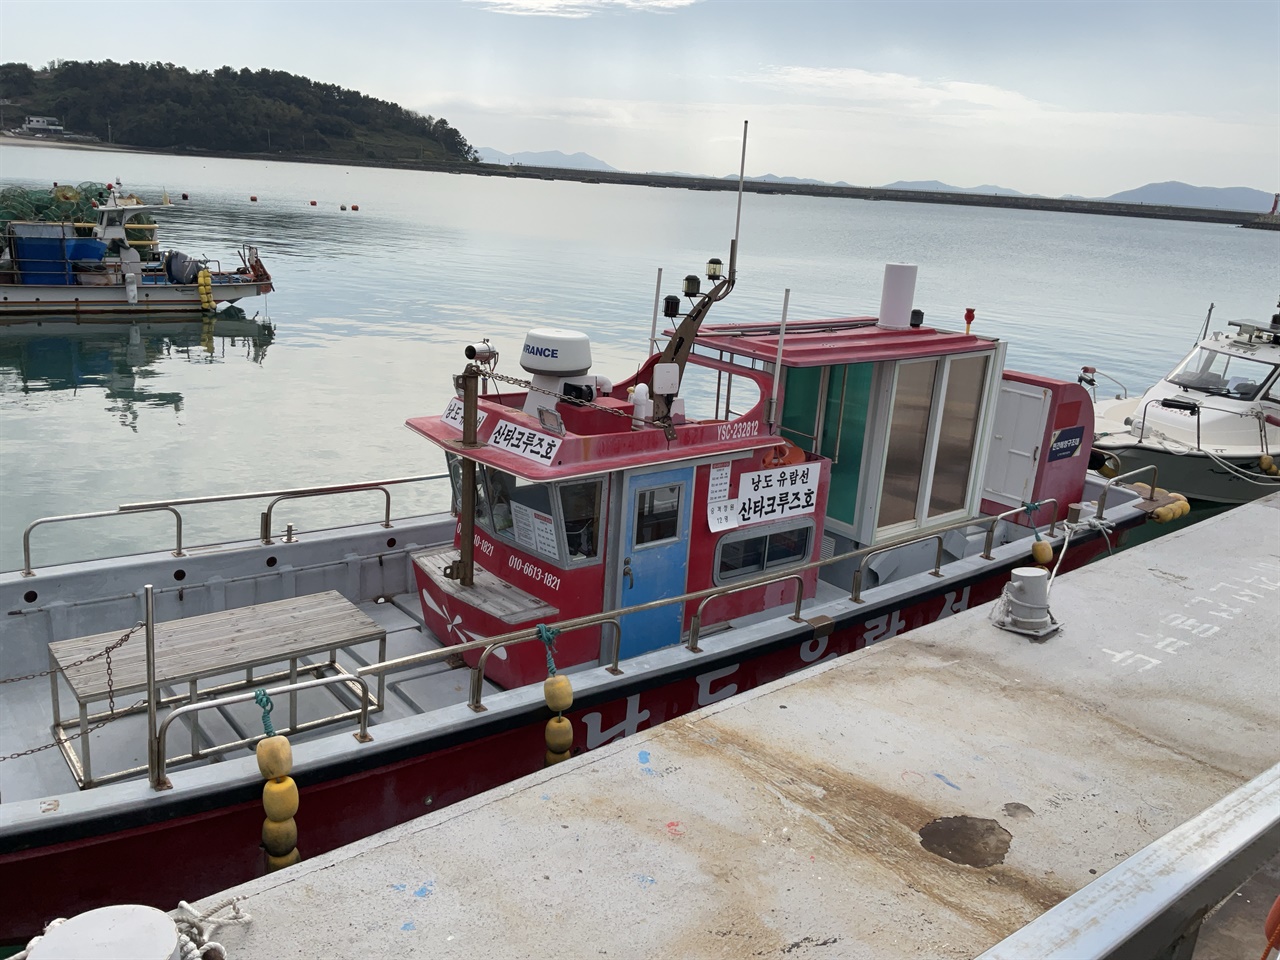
(1032, 509)
(261, 699)
(548, 637)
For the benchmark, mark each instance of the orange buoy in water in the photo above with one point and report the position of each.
(355, 206)
(313, 203)
(253, 199)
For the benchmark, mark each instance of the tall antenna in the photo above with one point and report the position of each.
(737, 222)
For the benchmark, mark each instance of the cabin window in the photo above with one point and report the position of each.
(580, 508)
(482, 501)
(657, 515)
(520, 511)
(745, 553)
(908, 440)
(957, 433)
(932, 442)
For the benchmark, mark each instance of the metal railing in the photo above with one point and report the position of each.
(172, 505)
(873, 551)
(476, 691)
(1106, 488)
(1152, 904)
(27, 571)
(161, 782)
(527, 634)
(695, 625)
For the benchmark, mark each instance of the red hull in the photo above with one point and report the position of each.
(197, 854)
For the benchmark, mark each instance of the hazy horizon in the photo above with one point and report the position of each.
(1082, 98)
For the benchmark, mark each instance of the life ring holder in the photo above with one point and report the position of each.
(783, 454)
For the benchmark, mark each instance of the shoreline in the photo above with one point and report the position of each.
(1258, 221)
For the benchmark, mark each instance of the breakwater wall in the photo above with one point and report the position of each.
(1260, 221)
(1059, 205)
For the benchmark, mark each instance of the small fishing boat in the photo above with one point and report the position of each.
(1211, 427)
(753, 499)
(112, 264)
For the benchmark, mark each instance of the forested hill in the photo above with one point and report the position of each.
(162, 107)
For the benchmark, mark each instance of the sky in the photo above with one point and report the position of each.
(1054, 98)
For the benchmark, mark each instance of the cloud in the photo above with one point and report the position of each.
(577, 9)
(892, 90)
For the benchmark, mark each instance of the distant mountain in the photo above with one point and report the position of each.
(544, 158)
(772, 178)
(939, 187)
(1179, 194)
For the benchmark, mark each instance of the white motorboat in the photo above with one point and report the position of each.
(1210, 427)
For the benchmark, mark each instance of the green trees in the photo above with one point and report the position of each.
(164, 107)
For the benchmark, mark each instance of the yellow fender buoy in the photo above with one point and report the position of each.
(553, 757)
(1266, 462)
(558, 693)
(1164, 514)
(288, 860)
(559, 735)
(279, 836)
(280, 799)
(1042, 551)
(275, 757)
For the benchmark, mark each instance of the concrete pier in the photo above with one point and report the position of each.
(925, 797)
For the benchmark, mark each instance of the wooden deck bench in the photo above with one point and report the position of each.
(211, 645)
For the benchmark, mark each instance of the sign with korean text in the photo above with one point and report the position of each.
(722, 515)
(453, 414)
(719, 487)
(530, 444)
(773, 494)
(534, 529)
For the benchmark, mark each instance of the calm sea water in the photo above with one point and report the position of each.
(374, 307)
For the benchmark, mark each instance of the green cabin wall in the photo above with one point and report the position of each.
(799, 417)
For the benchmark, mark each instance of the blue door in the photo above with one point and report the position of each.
(654, 556)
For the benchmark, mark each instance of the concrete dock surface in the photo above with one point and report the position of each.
(925, 797)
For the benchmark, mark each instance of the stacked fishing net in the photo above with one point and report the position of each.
(59, 203)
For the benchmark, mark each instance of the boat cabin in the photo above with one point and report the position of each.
(810, 440)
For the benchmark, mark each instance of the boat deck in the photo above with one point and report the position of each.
(26, 714)
(926, 796)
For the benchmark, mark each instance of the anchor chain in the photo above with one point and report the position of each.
(111, 693)
(527, 385)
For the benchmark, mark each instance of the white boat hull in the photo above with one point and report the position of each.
(29, 299)
(1197, 475)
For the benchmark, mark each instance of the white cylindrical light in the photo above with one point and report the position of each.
(897, 296)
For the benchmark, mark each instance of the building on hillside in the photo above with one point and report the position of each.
(45, 125)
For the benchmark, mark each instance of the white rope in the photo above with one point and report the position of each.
(194, 930)
(1103, 526)
(31, 944)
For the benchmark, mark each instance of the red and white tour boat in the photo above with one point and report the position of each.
(756, 498)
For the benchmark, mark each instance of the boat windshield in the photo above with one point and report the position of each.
(1222, 374)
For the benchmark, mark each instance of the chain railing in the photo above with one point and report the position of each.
(111, 694)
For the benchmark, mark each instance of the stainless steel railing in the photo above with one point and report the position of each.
(264, 519)
(27, 571)
(161, 782)
(489, 644)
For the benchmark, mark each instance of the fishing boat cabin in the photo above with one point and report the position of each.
(810, 440)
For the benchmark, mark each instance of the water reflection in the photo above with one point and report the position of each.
(51, 355)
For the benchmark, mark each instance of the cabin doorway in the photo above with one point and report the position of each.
(653, 557)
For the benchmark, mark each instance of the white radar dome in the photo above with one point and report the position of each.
(557, 353)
